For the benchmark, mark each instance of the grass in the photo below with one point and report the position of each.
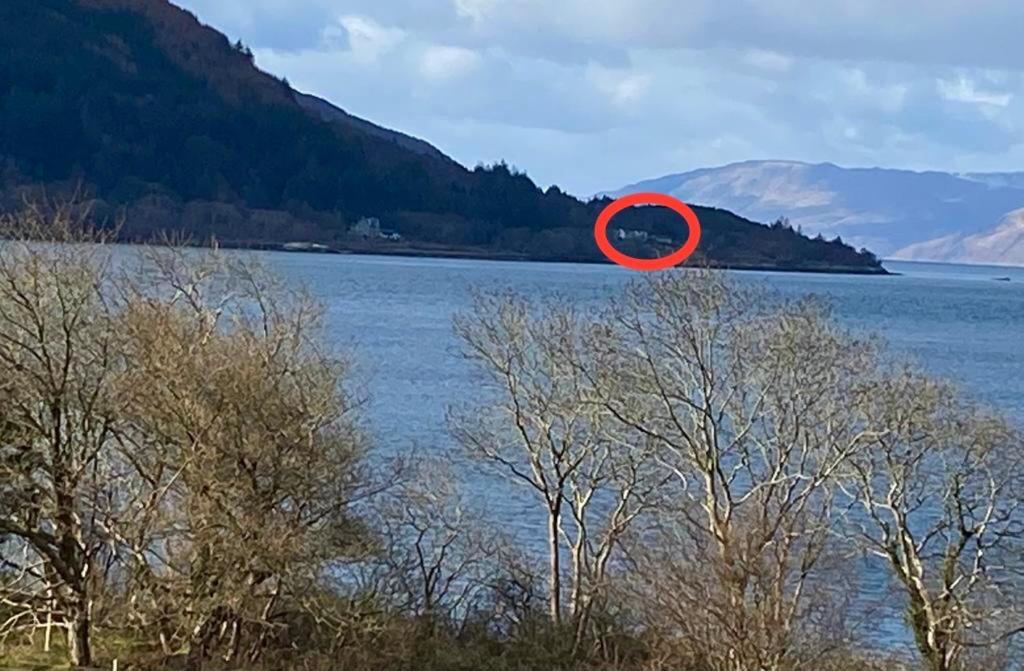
(34, 657)
(31, 656)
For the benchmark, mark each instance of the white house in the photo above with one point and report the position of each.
(621, 234)
(368, 227)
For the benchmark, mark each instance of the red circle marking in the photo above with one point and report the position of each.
(647, 198)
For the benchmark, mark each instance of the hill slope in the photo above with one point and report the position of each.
(154, 112)
(1002, 245)
(885, 210)
(333, 114)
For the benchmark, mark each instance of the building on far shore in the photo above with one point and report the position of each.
(622, 234)
(642, 236)
(369, 228)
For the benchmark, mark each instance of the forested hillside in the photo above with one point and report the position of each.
(167, 124)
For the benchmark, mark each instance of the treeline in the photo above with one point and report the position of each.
(186, 482)
(153, 112)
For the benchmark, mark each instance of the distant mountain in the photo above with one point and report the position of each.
(1013, 180)
(1002, 245)
(162, 119)
(897, 213)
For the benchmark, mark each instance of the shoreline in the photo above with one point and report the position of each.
(442, 252)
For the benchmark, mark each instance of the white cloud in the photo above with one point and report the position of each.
(770, 61)
(442, 62)
(367, 39)
(887, 97)
(474, 10)
(964, 33)
(964, 90)
(622, 87)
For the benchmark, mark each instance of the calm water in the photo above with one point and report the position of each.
(957, 321)
(395, 313)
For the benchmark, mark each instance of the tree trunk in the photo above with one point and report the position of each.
(554, 576)
(79, 648)
(202, 633)
(234, 641)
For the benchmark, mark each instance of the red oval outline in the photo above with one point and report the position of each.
(647, 198)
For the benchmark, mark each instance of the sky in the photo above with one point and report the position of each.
(596, 94)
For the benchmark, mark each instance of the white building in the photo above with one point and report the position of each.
(621, 234)
(368, 227)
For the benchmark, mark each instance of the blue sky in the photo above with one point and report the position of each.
(595, 94)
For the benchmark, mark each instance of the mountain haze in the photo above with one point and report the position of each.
(1002, 245)
(895, 213)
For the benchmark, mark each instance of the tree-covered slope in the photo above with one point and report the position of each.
(156, 114)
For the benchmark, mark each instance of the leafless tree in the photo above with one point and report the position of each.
(437, 552)
(540, 422)
(177, 452)
(939, 500)
(746, 398)
(61, 394)
(245, 445)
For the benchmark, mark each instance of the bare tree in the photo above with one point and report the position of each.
(61, 396)
(437, 552)
(540, 422)
(747, 399)
(939, 499)
(177, 452)
(246, 446)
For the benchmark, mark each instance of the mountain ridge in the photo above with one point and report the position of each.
(893, 211)
(331, 113)
(1001, 245)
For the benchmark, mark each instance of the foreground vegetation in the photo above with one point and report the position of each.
(185, 483)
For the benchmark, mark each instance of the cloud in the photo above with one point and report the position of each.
(767, 60)
(963, 33)
(442, 62)
(474, 10)
(888, 97)
(623, 87)
(367, 39)
(592, 94)
(965, 90)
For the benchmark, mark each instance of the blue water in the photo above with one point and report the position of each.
(395, 313)
(959, 322)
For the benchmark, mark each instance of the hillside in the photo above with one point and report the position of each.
(162, 120)
(888, 211)
(333, 114)
(1001, 245)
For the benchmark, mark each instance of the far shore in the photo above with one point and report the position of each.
(484, 254)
